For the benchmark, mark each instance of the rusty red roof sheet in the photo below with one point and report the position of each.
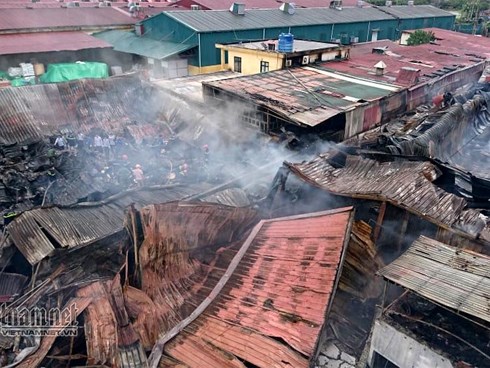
(20, 43)
(52, 18)
(451, 50)
(282, 287)
(405, 184)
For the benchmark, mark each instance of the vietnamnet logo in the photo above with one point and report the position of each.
(22, 321)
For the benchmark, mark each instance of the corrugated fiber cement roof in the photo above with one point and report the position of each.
(129, 42)
(224, 20)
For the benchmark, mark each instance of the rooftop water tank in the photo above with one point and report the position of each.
(286, 41)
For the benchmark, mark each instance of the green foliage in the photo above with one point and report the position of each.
(420, 37)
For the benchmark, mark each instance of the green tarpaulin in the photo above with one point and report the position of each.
(63, 72)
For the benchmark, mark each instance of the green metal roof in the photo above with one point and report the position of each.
(224, 20)
(417, 11)
(129, 42)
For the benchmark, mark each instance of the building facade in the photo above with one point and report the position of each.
(358, 24)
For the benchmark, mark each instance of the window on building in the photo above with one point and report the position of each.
(237, 64)
(264, 66)
(380, 361)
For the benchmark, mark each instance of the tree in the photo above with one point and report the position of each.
(420, 37)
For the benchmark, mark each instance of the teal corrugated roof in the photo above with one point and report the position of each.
(128, 42)
(417, 11)
(224, 20)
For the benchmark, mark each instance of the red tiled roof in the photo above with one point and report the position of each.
(19, 19)
(48, 41)
(267, 4)
(450, 49)
(282, 288)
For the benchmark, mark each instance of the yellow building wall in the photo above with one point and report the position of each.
(195, 70)
(251, 60)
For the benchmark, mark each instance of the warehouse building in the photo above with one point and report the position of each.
(202, 29)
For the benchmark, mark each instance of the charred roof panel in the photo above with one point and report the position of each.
(85, 223)
(11, 285)
(456, 278)
(75, 106)
(405, 184)
(307, 96)
(29, 238)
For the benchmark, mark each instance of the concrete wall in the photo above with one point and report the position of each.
(403, 350)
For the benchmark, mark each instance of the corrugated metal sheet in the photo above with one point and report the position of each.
(30, 239)
(268, 4)
(305, 96)
(11, 284)
(128, 42)
(83, 224)
(445, 54)
(77, 106)
(403, 183)
(77, 305)
(217, 20)
(419, 11)
(48, 41)
(282, 288)
(456, 278)
(19, 19)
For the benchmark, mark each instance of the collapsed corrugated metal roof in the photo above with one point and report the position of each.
(11, 285)
(406, 184)
(278, 283)
(85, 223)
(456, 278)
(78, 106)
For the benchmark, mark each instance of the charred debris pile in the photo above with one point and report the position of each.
(192, 267)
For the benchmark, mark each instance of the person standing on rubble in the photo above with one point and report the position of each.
(71, 141)
(59, 143)
(106, 145)
(98, 143)
(138, 175)
(80, 140)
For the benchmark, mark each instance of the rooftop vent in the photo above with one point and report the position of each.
(389, 3)
(380, 68)
(238, 8)
(288, 8)
(336, 4)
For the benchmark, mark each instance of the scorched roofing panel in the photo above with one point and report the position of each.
(456, 278)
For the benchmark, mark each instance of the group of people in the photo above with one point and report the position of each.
(166, 159)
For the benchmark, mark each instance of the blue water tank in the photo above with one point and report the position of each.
(286, 41)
